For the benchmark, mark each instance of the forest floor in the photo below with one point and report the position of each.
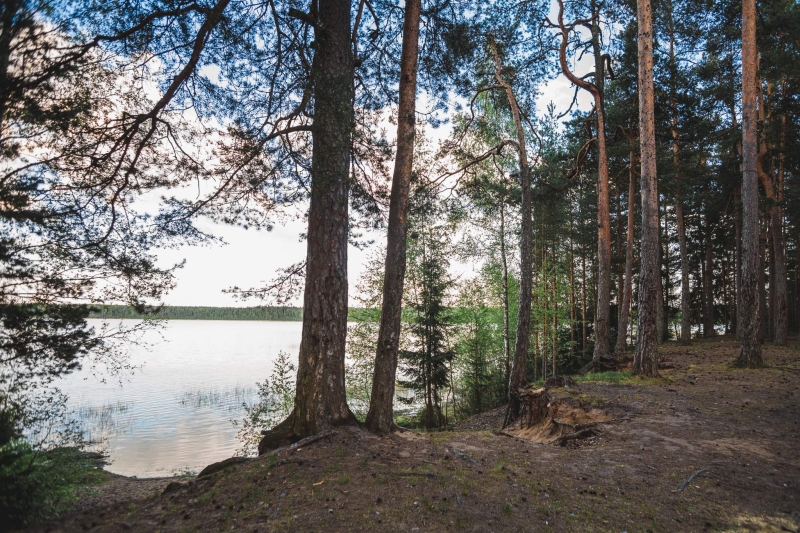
(740, 429)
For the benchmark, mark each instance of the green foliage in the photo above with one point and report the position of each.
(275, 402)
(39, 485)
(362, 336)
(481, 366)
(426, 359)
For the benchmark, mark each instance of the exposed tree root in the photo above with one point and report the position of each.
(605, 363)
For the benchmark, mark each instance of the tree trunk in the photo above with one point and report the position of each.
(763, 330)
(583, 301)
(646, 359)
(738, 267)
(686, 311)
(555, 311)
(779, 279)
(518, 379)
(628, 289)
(601, 345)
(781, 282)
(661, 317)
(750, 355)
(603, 312)
(571, 293)
(708, 286)
(506, 311)
(770, 247)
(320, 399)
(380, 417)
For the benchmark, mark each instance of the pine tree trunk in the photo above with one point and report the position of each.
(571, 293)
(749, 321)
(763, 331)
(583, 301)
(603, 281)
(646, 359)
(661, 318)
(506, 310)
(519, 378)
(380, 417)
(601, 343)
(686, 311)
(738, 268)
(628, 289)
(780, 280)
(320, 398)
(708, 286)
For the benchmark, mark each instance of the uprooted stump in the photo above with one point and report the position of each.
(547, 420)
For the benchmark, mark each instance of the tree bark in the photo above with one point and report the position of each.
(601, 346)
(763, 331)
(506, 310)
(518, 379)
(628, 289)
(320, 399)
(646, 358)
(738, 266)
(686, 311)
(749, 321)
(380, 417)
(708, 286)
(571, 292)
(781, 282)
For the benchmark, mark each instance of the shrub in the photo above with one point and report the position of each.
(39, 485)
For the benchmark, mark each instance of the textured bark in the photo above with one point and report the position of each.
(506, 310)
(780, 304)
(686, 311)
(380, 417)
(320, 399)
(770, 315)
(738, 267)
(518, 378)
(628, 289)
(571, 292)
(646, 358)
(749, 312)
(583, 301)
(708, 286)
(781, 282)
(603, 312)
(763, 330)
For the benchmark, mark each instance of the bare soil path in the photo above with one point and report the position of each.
(709, 448)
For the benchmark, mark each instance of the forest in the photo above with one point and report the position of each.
(176, 312)
(582, 219)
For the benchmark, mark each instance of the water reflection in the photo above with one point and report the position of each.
(174, 414)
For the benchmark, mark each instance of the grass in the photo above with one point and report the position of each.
(604, 377)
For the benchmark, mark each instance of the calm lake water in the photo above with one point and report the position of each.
(174, 414)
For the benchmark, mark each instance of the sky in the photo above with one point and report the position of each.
(250, 257)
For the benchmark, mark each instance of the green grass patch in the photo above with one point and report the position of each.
(604, 377)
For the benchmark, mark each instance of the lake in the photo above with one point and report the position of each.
(174, 414)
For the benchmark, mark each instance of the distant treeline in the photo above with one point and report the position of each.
(203, 313)
(220, 313)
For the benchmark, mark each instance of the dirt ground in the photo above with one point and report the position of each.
(734, 433)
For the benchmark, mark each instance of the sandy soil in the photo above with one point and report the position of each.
(734, 433)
